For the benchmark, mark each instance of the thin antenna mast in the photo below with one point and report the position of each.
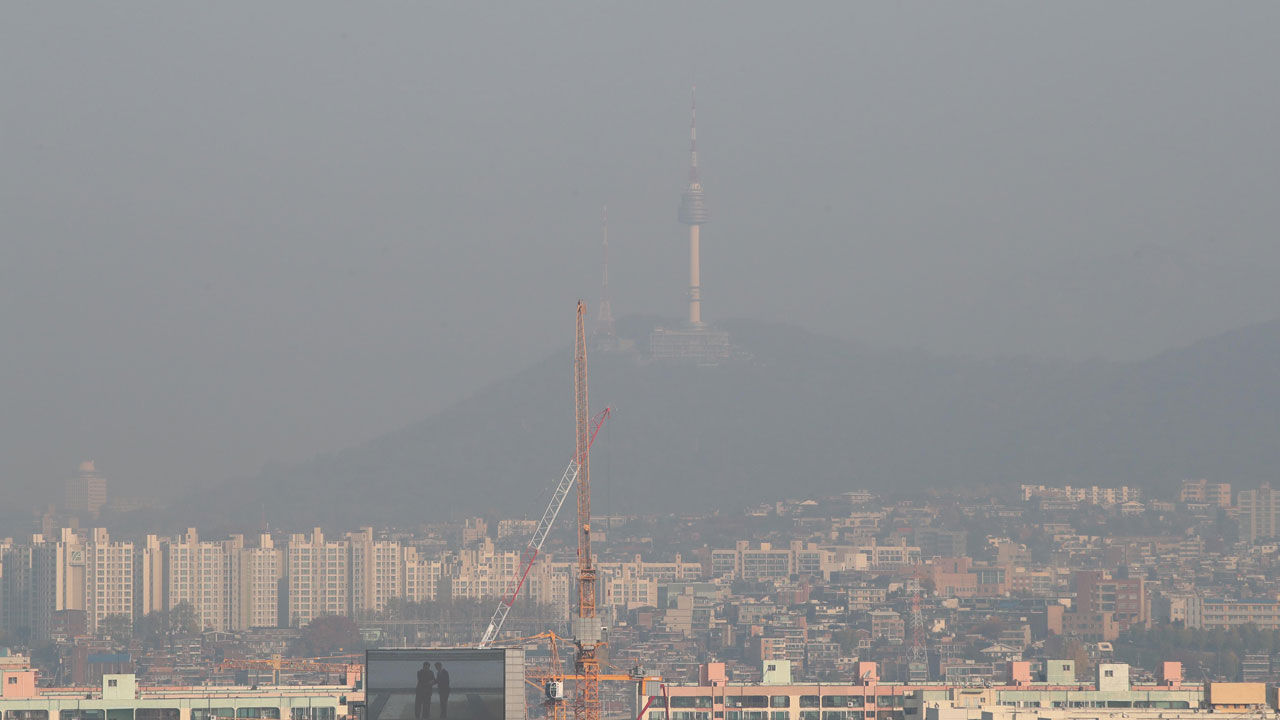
(604, 317)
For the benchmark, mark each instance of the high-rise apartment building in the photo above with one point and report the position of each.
(421, 576)
(480, 571)
(73, 576)
(16, 590)
(1203, 491)
(86, 491)
(58, 580)
(377, 572)
(261, 572)
(1125, 598)
(229, 586)
(70, 582)
(317, 573)
(203, 575)
(150, 595)
(1259, 513)
(109, 579)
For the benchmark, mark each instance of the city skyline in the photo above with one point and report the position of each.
(197, 272)
(961, 405)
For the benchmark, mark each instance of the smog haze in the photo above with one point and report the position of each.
(238, 234)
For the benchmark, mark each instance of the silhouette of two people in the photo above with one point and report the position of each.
(422, 696)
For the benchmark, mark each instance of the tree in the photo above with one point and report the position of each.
(328, 634)
(990, 628)
(161, 627)
(116, 628)
(183, 620)
(1075, 650)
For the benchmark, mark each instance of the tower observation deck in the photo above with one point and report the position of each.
(695, 341)
(693, 205)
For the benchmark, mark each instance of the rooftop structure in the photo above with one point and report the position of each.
(86, 491)
(1111, 694)
(119, 697)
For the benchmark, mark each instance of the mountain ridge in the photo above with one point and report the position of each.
(806, 415)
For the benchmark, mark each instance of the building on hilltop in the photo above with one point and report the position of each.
(85, 492)
(1203, 491)
(1259, 513)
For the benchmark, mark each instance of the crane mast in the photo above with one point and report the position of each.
(587, 635)
(534, 546)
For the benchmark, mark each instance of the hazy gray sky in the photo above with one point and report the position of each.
(243, 232)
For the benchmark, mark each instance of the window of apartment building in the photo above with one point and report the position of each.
(691, 701)
(27, 714)
(120, 714)
(808, 701)
(746, 701)
(780, 701)
(81, 714)
(156, 714)
(841, 701)
(270, 713)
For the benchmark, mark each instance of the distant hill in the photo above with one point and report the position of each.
(806, 415)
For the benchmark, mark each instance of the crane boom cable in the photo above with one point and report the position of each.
(534, 547)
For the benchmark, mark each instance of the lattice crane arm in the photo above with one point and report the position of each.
(534, 546)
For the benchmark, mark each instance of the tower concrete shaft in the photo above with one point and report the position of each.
(693, 212)
(695, 278)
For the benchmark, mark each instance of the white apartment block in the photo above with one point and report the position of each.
(1092, 495)
(377, 572)
(94, 576)
(15, 588)
(744, 562)
(421, 576)
(57, 580)
(202, 575)
(229, 586)
(1259, 513)
(233, 587)
(480, 571)
(109, 582)
(318, 576)
(261, 570)
(634, 583)
(626, 588)
(552, 585)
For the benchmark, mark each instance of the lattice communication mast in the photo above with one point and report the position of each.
(586, 631)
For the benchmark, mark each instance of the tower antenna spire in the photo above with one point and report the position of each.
(693, 135)
(604, 316)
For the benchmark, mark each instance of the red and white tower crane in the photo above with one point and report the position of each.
(534, 546)
(587, 634)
